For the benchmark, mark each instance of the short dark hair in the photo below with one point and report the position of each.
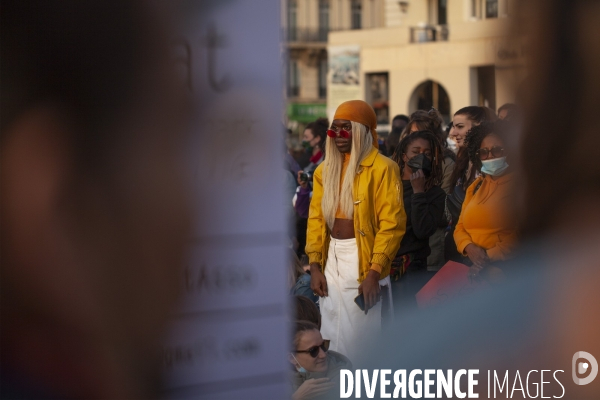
(402, 117)
(393, 140)
(319, 128)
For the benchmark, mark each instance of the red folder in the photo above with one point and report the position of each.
(449, 283)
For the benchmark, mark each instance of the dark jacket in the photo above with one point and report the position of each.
(424, 214)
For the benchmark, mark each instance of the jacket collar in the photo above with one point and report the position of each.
(370, 159)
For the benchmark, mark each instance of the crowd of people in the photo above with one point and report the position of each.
(95, 214)
(376, 220)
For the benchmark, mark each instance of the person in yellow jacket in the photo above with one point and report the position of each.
(355, 225)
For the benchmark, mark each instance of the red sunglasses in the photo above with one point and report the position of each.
(343, 133)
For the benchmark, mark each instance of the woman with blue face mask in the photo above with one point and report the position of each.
(486, 230)
(316, 369)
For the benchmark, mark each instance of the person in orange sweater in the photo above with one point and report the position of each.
(486, 229)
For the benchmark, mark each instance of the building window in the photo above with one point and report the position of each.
(378, 96)
(488, 8)
(323, 78)
(475, 8)
(486, 86)
(323, 19)
(293, 86)
(356, 12)
(491, 8)
(442, 12)
(292, 20)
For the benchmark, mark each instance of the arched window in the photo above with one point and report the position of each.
(430, 94)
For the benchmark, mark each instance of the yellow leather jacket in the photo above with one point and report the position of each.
(379, 217)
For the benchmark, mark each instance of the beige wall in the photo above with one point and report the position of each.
(307, 55)
(472, 43)
(419, 11)
(373, 13)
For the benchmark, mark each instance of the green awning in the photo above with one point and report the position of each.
(306, 112)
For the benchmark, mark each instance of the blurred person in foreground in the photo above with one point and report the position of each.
(95, 213)
(507, 111)
(355, 225)
(316, 368)
(486, 230)
(541, 319)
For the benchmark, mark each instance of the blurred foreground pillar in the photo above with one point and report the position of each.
(229, 337)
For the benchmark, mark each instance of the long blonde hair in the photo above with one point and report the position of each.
(333, 197)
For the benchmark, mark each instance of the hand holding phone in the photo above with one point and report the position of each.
(360, 302)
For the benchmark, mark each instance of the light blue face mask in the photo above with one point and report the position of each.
(495, 167)
(299, 368)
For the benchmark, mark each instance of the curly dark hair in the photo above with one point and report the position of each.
(436, 149)
(476, 135)
(478, 115)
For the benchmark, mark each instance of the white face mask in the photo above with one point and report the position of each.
(495, 167)
(452, 145)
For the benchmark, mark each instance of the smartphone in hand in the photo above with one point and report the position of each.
(360, 301)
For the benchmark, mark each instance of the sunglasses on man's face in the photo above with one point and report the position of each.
(495, 151)
(314, 351)
(343, 131)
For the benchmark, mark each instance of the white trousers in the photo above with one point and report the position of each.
(342, 321)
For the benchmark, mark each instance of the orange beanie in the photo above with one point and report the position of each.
(359, 111)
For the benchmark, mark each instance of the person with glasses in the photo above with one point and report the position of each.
(316, 368)
(486, 229)
(355, 225)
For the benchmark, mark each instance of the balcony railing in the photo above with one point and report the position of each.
(305, 34)
(421, 34)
